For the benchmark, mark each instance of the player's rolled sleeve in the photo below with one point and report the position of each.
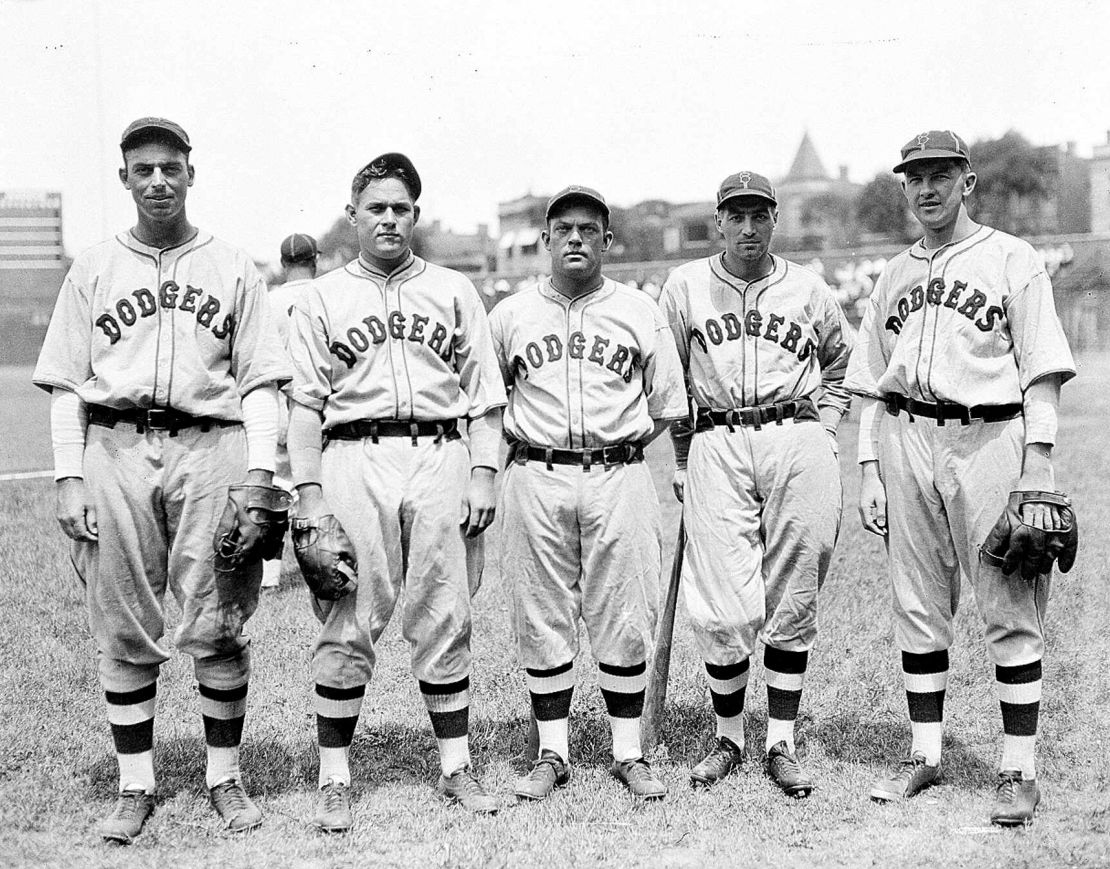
(664, 384)
(257, 352)
(65, 359)
(308, 349)
(1040, 345)
(833, 352)
(868, 360)
(674, 313)
(480, 375)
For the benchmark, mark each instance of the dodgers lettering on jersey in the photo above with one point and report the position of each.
(774, 339)
(585, 372)
(187, 327)
(972, 322)
(411, 345)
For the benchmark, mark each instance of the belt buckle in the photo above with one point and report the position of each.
(965, 415)
(940, 405)
(158, 418)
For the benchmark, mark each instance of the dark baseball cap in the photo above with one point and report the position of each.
(746, 184)
(934, 145)
(383, 163)
(299, 248)
(145, 126)
(577, 191)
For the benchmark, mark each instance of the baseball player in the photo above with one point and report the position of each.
(594, 377)
(298, 263)
(391, 354)
(163, 363)
(960, 363)
(765, 346)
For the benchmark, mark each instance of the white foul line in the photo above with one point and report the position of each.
(26, 475)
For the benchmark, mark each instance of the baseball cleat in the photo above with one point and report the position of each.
(785, 771)
(548, 772)
(912, 776)
(722, 760)
(1016, 800)
(464, 788)
(639, 779)
(333, 807)
(235, 808)
(126, 821)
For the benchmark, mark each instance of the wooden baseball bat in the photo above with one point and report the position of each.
(659, 673)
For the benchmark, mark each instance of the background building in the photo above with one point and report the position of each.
(32, 267)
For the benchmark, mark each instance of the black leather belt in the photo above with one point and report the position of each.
(440, 429)
(757, 416)
(943, 410)
(153, 418)
(617, 454)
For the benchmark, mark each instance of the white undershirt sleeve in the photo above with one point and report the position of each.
(306, 442)
(260, 419)
(485, 439)
(870, 415)
(69, 419)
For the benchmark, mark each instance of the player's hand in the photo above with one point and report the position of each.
(834, 442)
(75, 514)
(872, 499)
(478, 507)
(678, 483)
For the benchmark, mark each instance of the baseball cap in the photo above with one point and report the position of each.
(299, 248)
(165, 127)
(577, 191)
(392, 160)
(745, 184)
(934, 145)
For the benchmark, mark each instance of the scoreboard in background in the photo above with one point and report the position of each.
(32, 267)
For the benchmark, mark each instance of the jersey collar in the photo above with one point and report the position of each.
(920, 252)
(547, 288)
(777, 273)
(374, 272)
(128, 240)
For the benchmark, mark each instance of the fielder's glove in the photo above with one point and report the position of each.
(326, 557)
(1014, 543)
(253, 526)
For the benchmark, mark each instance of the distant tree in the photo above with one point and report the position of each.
(1016, 181)
(881, 207)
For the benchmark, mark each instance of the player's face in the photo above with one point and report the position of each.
(935, 190)
(577, 239)
(384, 217)
(159, 177)
(747, 225)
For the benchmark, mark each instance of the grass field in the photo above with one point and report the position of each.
(57, 770)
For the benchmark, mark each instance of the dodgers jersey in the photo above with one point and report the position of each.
(586, 372)
(773, 339)
(410, 345)
(972, 322)
(282, 300)
(187, 327)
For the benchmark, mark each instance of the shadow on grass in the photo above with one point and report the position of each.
(853, 738)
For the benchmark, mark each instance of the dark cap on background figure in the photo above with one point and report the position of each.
(147, 129)
(934, 145)
(746, 184)
(299, 248)
(577, 192)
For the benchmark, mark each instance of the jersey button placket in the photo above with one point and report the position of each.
(574, 381)
(404, 399)
(166, 339)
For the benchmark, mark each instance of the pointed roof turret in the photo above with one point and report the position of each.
(807, 166)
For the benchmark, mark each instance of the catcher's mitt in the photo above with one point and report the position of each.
(1014, 543)
(253, 526)
(326, 557)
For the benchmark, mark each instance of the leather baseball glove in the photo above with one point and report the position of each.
(1014, 543)
(252, 527)
(326, 557)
